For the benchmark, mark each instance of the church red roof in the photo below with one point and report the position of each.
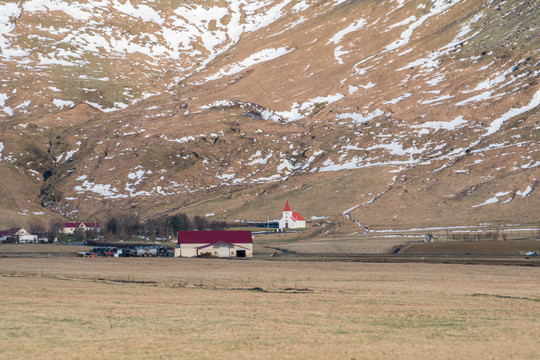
(287, 207)
(297, 217)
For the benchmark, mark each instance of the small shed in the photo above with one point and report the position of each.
(215, 244)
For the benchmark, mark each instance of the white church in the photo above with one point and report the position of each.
(291, 219)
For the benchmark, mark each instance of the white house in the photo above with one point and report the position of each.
(70, 228)
(214, 244)
(291, 219)
(19, 235)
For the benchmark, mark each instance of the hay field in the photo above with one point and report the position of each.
(93, 308)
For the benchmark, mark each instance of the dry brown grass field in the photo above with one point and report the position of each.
(478, 248)
(140, 308)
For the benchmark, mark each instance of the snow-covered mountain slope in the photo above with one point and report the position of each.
(389, 113)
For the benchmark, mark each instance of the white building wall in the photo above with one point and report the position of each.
(68, 230)
(219, 250)
(292, 224)
(28, 238)
(188, 251)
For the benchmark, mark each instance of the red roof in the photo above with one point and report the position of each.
(10, 232)
(74, 225)
(94, 224)
(210, 237)
(287, 207)
(297, 217)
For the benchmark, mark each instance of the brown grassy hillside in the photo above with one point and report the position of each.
(385, 114)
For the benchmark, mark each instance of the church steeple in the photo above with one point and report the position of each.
(287, 207)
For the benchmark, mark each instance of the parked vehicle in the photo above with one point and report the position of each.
(104, 250)
(153, 251)
(123, 253)
(140, 251)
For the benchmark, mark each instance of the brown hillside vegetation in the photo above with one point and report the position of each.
(386, 114)
(198, 309)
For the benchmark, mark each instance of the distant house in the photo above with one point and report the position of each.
(19, 235)
(70, 228)
(291, 219)
(214, 244)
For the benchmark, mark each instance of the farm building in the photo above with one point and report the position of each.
(19, 235)
(291, 219)
(69, 228)
(214, 243)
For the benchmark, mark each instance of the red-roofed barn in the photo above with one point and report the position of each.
(291, 219)
(215, 243)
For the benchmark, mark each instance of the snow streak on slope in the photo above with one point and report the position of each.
(261, 56)
(437, 7)
(497, 123)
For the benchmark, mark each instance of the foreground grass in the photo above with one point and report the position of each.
(208, 308)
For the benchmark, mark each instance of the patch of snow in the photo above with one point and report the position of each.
(258, 57)
(368, 85)
(438, 6)
(407, 21)
(6, 109)
(436, 100)
(338, 53)
(74, 9)
(526, 192)
(105, 190)
(480, 97)
(491, 82)
(355, 26)
(299, 111)
(143, 12)
(351, 209)
(181, 140)
(531, 164)
(436, 80)
(359, 118)
(492, 200)
(258, 159)
(63, 103)
(23, 105)
(497, 123)
(8, 11)
(226, 176)
(300, 6)
(445, 125)
(396, 100)
(70, 154)
(219, 103)
(136, 175)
